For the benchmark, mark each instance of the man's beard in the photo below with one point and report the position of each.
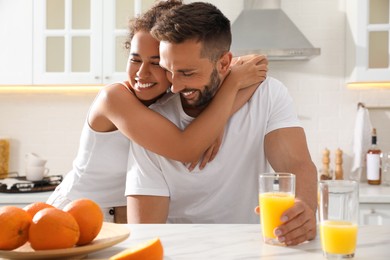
(208, 93)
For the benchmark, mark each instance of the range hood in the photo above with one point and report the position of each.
(263, 28)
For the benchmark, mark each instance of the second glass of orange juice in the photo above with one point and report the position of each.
(338, 212)
(276, 195)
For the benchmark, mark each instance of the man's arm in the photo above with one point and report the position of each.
(147, 209)
(286, 150)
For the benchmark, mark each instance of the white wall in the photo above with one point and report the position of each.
(46, 124)
(50, 124)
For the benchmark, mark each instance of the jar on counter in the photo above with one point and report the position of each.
(4, 157)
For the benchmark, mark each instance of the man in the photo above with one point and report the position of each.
(194, 49)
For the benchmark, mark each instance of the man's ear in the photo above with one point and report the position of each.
(224, 62)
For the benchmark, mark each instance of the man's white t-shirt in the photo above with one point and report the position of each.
(226, 190)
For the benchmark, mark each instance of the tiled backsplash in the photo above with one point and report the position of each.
(50, 124)
(46, 124)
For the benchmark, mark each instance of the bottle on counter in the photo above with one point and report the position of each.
(373, 161)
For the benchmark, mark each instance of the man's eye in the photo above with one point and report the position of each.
(135, 61)
(187, 74)
(156, 63)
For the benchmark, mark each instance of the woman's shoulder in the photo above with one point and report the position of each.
(115, 90)
(117, 86)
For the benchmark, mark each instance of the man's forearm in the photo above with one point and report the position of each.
(287, 151)
(306, 185)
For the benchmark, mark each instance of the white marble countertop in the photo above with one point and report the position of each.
(23, 198)
(222, 241)
(374, 194)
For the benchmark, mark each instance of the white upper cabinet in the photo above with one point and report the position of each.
(65, 41)
(16, 42)
(68, 42)
(81, 41)
(367, 41)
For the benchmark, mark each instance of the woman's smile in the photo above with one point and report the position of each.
(140, 85)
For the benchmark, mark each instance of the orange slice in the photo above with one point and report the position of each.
(151, 250)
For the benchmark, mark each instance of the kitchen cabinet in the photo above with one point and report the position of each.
(374, 214)
(16, 42)
(367, 41)
(65, 41)
(374, 206)
(81, 42)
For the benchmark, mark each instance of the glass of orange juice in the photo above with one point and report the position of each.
(276, 195)
(338, 211)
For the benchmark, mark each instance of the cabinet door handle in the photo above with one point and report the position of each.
(107, 77)
(97, 77)
(373, 211)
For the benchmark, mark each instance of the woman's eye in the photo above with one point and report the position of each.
(156, 63)
(187, 74)
(135, 61)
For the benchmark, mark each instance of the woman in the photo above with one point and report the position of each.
(120, 113)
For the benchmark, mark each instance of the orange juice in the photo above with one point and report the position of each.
(338, 237)
(272, 206)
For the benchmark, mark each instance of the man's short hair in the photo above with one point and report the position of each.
(147, 20)
(199, 21)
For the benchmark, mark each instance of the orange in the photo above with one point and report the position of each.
(52, 228)
(89, 216)
(151, 250)
(14, 226)
(33, 208)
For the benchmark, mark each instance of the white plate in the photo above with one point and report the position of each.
(109, 235)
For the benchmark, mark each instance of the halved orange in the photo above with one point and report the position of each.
(151, 250)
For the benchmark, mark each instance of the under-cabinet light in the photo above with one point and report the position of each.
(368, 85)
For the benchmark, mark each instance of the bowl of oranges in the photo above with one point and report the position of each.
(40, 230)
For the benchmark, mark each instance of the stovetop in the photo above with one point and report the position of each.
(18, 184)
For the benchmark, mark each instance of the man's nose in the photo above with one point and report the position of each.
(177, 85)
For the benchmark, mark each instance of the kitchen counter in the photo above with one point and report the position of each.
(368, 194)
(221, 241)
(22, 199)
(374, 193)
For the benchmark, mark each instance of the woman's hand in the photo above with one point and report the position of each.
(249, 70)
(209, 155)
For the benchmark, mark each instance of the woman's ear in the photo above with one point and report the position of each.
(224, 62)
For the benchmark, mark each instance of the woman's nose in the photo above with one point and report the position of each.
(143, 71)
